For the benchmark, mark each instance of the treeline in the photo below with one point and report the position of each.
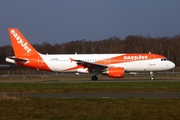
(169, 47)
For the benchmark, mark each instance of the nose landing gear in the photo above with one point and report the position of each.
(151, 76)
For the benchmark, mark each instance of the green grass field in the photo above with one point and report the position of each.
(93, 87)
(26, 108)
(12, 108)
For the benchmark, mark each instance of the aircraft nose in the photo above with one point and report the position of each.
(171, 65)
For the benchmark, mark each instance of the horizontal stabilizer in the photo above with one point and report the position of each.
(13, 59)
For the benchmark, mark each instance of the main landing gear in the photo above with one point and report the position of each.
(94, 78)
(151, 76)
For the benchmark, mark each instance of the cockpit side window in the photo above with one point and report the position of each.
(163, 59)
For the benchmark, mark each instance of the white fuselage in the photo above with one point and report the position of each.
(63, 63)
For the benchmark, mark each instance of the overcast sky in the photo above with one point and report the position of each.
(60, 21)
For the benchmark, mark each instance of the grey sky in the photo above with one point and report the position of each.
(60, 21)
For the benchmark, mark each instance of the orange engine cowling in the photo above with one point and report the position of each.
(114, 72)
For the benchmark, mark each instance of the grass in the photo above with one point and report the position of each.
(94, 87)
(26, 108)
(89, 109)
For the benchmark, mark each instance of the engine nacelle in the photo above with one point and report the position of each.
(114, 72)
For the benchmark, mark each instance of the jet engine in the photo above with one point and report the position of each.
(114, 72)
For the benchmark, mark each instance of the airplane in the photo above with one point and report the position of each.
(112, 65)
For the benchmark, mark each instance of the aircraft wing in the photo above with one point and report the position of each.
(92, 67)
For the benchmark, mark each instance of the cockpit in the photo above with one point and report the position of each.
(163, 59)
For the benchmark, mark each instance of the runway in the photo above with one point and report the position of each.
(87, 80)
(98, 95)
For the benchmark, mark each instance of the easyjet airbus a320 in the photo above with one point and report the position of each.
(113, 65)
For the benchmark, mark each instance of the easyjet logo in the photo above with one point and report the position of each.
(137, 57)
(21, 42)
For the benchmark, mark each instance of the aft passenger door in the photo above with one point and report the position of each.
(40, 62)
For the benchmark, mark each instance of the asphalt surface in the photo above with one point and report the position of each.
(76, 79)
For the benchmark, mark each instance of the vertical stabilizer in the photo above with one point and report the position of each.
(25, 54)
(20, 44)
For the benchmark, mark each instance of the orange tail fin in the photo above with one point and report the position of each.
(20, 44)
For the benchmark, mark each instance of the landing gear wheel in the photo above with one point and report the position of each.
(151, 76)
(94, 78)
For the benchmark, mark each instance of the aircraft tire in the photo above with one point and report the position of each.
(151, 78)
(94, 78)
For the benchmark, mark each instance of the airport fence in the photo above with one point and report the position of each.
(32, 73)
(70, 75)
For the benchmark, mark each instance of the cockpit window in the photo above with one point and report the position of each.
(163, 59)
